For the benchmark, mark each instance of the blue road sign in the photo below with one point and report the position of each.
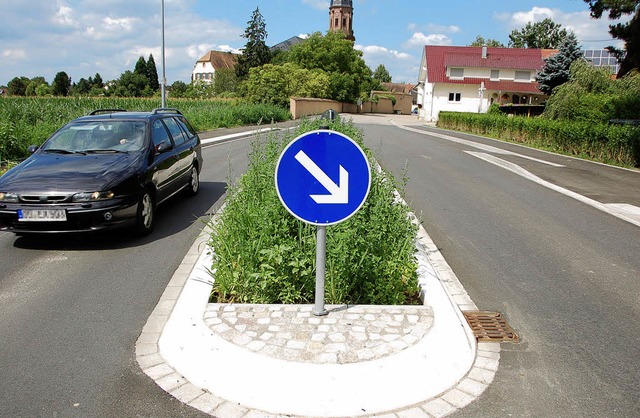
(323, 177)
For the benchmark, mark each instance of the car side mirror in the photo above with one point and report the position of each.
(164, 147)
(32, 149)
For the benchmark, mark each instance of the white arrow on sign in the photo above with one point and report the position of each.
(338, 193)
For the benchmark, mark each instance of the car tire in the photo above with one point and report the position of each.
(194, 182)
(145, 214)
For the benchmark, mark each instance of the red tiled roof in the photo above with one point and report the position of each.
(438, 58)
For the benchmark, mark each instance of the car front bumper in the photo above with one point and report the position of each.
(79, 217)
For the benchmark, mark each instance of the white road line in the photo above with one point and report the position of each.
(626, 212)
(482, 147)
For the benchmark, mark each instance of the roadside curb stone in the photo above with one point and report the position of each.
(290, 332)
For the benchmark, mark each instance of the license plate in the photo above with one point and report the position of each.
(42, 215)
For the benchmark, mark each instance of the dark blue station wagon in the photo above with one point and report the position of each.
(105, 170)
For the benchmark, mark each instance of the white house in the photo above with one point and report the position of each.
(470, 79)
(206, 66)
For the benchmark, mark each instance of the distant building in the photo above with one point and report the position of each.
(602, 58)
(206, 66)
(341, 17)
(470, 79)
(287, 44)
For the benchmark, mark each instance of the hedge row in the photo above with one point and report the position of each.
(607, 143)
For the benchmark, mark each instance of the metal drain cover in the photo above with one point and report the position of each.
(490, 327)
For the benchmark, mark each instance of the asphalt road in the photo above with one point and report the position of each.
(72, 308)
(565, 274)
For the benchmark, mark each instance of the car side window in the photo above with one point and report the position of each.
(191, 133)
(159, 133)
(176, 132)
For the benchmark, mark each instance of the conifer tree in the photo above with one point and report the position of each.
(256, 52)
(152, 74)
(556, 68)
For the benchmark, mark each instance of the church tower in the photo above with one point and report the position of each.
(341, 17)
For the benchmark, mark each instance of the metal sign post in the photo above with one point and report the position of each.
(322, 178)
(321, 258)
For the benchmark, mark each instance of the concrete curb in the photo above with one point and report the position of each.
(187, 360)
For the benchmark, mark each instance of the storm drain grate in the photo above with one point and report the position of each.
(490, 327)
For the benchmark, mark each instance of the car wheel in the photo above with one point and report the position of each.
(194, 182)
(145, 214)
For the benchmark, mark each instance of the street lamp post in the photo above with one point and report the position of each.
(164, 74)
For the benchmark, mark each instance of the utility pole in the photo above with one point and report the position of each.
(164, 74)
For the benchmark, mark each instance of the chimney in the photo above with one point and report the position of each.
(484, 52)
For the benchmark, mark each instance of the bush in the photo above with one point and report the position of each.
(265, 255)
(613, 144)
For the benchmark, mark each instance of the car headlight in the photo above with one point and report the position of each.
(92, 196)
(8, 197)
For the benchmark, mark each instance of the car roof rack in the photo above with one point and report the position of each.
(98, 111)
(166, 110)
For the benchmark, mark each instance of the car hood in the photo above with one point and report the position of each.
(69, 173)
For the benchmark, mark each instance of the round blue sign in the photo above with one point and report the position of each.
(323, 177)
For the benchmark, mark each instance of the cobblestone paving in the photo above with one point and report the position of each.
(346, 335)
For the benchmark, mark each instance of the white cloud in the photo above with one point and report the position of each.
(591, 33)
(374, 51)
(419, 39)
(65, 16)
(15, 54)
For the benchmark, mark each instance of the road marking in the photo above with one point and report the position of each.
(626, 212)
(236, 135)
(482, 147)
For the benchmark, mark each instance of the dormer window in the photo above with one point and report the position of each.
(456, 73)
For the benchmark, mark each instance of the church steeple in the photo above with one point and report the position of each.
(341, 17)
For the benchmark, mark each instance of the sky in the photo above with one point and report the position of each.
(85, 37)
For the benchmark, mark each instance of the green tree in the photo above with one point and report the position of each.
(83, 87)
(178, 89)
(382, 74)
(545, 35)
(591, 95)
(628, 32)
(335, 55)
(141, 67)
(480, 41)
(255, 52)
(556, 68)
(43, 90)
(276, 84)
(18, 86)
(225, 81)
(97, 81)
(152, 74)
(33, 85)
(131, 84)
(61, 84)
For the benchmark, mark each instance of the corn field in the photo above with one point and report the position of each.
(29, 121)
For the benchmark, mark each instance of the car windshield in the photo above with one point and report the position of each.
(97, 136)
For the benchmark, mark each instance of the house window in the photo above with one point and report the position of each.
(455, 97)
(523, 76)
(456, 73)
(495, 74)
